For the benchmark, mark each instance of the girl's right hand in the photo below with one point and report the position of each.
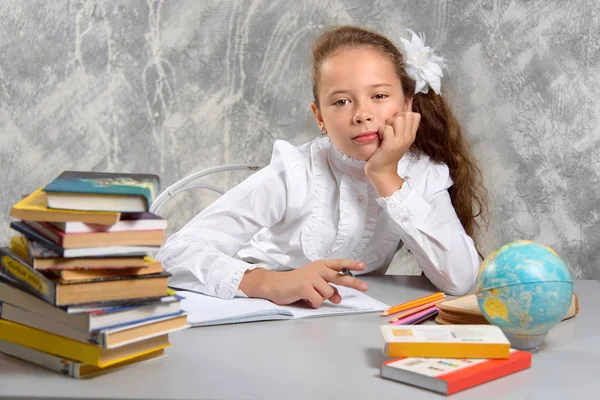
(311, 282)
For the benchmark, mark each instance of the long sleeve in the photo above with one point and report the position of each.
(200, 256)
(431, 229)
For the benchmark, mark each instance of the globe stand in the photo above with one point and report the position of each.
(530, 343)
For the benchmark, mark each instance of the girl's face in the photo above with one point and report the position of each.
(358, 91)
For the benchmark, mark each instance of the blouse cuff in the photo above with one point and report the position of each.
(226, 281)
(406, 205)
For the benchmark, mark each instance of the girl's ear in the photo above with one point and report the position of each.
(318, 116)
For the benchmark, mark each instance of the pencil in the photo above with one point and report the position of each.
(413, 303)
(413, 310)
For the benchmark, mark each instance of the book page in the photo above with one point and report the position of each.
(207, 310)
(353, 302)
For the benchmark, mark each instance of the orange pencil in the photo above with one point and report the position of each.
(413, 310)
(413, 303)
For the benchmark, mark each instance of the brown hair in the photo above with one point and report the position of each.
(439, 135)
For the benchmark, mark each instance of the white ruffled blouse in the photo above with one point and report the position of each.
(313, 202)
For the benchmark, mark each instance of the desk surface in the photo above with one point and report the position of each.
(332, 357)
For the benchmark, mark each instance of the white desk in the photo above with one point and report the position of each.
(326, 358)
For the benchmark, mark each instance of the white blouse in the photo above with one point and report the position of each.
(313, 202)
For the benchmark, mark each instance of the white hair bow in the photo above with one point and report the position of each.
(422, 65)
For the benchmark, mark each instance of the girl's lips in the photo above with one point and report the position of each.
(367, 137)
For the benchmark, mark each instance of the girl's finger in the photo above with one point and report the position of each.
(324, 289)
(314, 298)
(336, 298)
(399, 126)
(386, 132)
(348, 281)
(339, 264)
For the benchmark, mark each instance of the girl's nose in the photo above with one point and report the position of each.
(362, 116)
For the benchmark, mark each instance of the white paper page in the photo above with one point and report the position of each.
(353, 302)
(207, 310)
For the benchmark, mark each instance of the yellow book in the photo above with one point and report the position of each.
(445, 341)
(75, 350)
(35, 208)
(68, 367)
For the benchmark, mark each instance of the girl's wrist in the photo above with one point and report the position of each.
(255, 283)
(385, 183)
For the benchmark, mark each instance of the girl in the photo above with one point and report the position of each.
(391, 169)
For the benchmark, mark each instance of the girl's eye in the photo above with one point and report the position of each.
(380, 96)
(341, 102)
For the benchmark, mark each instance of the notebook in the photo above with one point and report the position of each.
(206, 310)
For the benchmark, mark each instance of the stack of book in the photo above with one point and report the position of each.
(79, 292)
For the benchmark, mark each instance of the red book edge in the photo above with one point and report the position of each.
(486, 371)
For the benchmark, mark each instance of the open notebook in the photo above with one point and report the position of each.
(206, 310)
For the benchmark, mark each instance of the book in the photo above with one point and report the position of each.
(206, 310)
(97, 239)
(83, 275)
(109, 304)
(102, 191)
(37, 237)
(107, 338)
(35, 208)
(77, 351)
(58, 293)
(129, 222)
(448, 375)
(465, 310)
(91, 318)
(445, 341)
(23, 248)
(68, 367)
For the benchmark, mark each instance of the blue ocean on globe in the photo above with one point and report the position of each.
(525, 288)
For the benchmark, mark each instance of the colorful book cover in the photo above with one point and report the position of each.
(146, 185)
(17, 269)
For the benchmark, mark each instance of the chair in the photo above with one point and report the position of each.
(189, 183)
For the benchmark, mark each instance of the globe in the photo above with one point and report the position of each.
(525, 289)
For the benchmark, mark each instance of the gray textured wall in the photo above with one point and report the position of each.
(170, 87)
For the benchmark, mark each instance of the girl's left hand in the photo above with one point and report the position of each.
(397, 135)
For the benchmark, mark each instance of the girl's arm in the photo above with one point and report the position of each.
(431, 229)
(200, 256)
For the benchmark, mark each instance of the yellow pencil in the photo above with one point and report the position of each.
(413, 303)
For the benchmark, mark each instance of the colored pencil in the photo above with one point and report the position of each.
(413, 303)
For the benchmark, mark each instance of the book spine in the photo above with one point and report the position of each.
(48, 361)
(37, 237)
(18, 269)
(22, 299)
(448, 350)
(49, 343)
(33, 320)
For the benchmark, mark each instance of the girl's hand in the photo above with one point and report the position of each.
(311, 282)
(397, 135)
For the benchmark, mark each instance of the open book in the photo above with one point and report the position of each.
(207, 310)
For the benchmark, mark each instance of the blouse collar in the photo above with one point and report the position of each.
(344, 162)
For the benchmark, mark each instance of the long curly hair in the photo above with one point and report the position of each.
(439, 136)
